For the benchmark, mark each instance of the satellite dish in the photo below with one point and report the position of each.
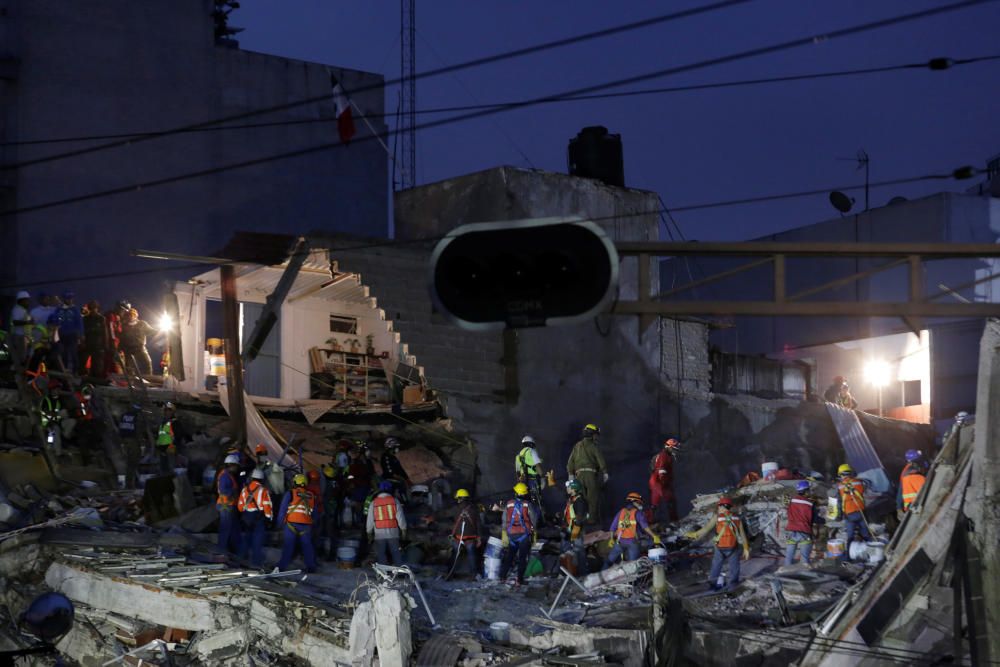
(897, 200)
(840, 201)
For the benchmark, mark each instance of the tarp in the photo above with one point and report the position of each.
(860, 452)
(257, 431)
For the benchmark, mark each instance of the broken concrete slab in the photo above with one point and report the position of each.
(220, 646)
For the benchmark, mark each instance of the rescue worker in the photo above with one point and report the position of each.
(586, 463)
(802, 516)
(88, 430)
(166, 444)
(228, 487)
(911, 480)
(362, 469)
(70, 332)
(392, 469)
(115, 319)
(256, 511)
(386, 525)
(296, 515)
(517, 532)
(625, 531)
(729, 538)
(95, 341)
(851, 492)
(839, 393)
(661, 481)
(134, 333)
(528, 469)
(331, 512)
(315, 487)
(129, 433)
(365, 464)
(465, 531)
(575, 516)
(20, 322)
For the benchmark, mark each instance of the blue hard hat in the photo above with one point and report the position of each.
(803, 485)
(385, 485)
(49, 616)
(913, 455)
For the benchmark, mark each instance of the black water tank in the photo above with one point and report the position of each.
(594, 153)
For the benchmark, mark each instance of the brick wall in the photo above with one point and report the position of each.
(685, 365)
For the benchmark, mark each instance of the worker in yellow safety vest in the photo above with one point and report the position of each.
(296, 515)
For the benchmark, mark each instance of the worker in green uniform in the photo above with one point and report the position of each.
(586, 463)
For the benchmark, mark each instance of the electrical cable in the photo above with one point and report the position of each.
(960, 173)
(733, 57)
(476, 62)
(490, 105)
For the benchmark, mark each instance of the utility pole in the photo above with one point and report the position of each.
(234, 362)
(408, 93)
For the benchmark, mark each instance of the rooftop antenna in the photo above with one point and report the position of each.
(862, 159)
(408, 93)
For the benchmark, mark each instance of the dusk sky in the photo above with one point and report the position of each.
(690, 147)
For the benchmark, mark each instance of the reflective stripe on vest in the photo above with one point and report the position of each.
(627, 524)
(227, 501)
(255, 498)
(911, 485)
(385, 511)
(300, 507)
(569, 514)
(725, 531)
(852, 495)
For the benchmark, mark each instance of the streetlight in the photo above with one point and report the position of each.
(879, 374)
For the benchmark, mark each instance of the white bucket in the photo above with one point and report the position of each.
(876, 552)
(208, 476)
(768, 469)
(494, 547)
(835, 549)
(491, 568)
(347, 517)
(500, 631)
(347, 554)
(858, 551)
(658, 555)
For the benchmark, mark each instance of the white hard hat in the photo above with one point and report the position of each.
(257, 473)
(23, 294)
(232, 458)
(526, 439)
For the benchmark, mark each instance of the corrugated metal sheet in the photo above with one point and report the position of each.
(858, 448)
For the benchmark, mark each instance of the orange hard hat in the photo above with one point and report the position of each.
(260, 449)
(313, 475)
(726, 500)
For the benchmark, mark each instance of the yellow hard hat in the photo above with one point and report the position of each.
(299, 480)
(329, 471)
(521, 489)
(845, 469)
(461, 493)
(591, 427)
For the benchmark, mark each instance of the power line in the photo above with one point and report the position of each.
(476, 62)
(962, 172)
(933, 65)
(733, 57)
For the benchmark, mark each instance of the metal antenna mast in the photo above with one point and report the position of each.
(408, 93)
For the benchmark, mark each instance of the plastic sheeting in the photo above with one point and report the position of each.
(860, 452)
(257, 431)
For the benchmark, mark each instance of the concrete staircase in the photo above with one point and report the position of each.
(453, 360)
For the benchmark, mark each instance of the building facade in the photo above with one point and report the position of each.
(90, 70)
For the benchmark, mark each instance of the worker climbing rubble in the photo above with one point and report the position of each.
(392, 470)
(386, 525)
(661, 482)
(296, 517)
(256, 511)
(227, 485)
(911, 480)
(851, 494)
(802, 517)
(575, 517)
(839, 393)
(465, 533)
(586, 463)
(730, 540)
(518, 533)
(528, 469)
(625, 531)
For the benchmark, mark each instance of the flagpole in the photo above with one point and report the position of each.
(374, 133)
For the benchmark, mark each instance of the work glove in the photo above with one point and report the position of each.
(656, 540)
(504, 540)
(691, 534)
(534, 538)
(605, 478)
(746, 553)
(611, 543)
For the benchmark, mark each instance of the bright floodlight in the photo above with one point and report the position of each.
(878, 373)
(166, 322)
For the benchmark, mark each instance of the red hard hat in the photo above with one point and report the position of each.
(726, 500)
(260, 449)
(313, 475)
(671, 442)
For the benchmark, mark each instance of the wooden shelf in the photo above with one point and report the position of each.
(353, 376)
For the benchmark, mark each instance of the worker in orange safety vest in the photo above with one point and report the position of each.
(625, 531)
(851, 492)
(255, 509)
(386, 525)
(517, 532)
(911, 480)
(729, 538)
(296, 515)
(228, 486)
